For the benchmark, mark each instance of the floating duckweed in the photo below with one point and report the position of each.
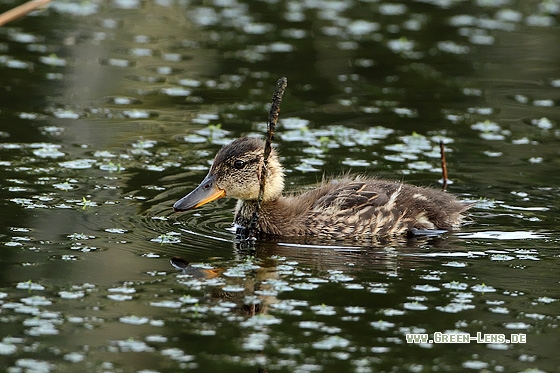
(53, 76)
(83, 248)
(280, 47)
(167, 304)
(33, 365)
(392, 312)
(132, 345)
(543, 123)
(455, 307)
(40, 327)
(74, 357)
(455, 285)
(405, 112)
(168, 238)
(362, 27)
(194, 139)
(78, 164)
(331, 342)
(52, 130)
(75, 8)
(151, 255)
(111, 167)
(311, 324)
(293, 33)
(153, 167)
(323, 309)
(71, 294)
(66, 114)
(257, 28)
(191, 83)
(421, 165)
(116, 230)
(492, 154)
(353, 286)
(392, 9)
(49, 152)
(176, 91)
(356, 162)
(540, 20)
(295, 123)
(260, 321)
(304, 167)
(19, 308)
(482, 288)
(119, 62)
(355, 310)
(29, 286)
(517, 325)
(500, 310)
(414, 306)
(177, 354)
(431, 277)
(289, 351)
(7, 348)
(64, 186)
(233, 288)
(255, 341)
(136, 114)
(122, 289)
(382, 325)
(401, 45)
(501, 257)
(187, 299)
(426, 288)
(480, 37)
(36, 300)
(14, 63)
(134, 320)
(305, 286)
(119, 297)
(156, 338)
(475, 364)
(53, 60)
(546, 300)
(452, 47)
(339, 276)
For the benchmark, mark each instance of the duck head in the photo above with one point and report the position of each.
(236, 172)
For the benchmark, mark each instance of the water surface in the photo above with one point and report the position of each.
(112, 110)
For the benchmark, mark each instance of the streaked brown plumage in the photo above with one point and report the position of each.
(347, 208)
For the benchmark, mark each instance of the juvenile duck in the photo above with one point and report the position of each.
(348, 208)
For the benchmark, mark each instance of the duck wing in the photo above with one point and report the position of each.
(376, 207)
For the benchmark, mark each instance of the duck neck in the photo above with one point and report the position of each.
(266, 222)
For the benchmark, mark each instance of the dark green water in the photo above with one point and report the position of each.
(111, 111)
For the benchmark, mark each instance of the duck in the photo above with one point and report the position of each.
(356, 207)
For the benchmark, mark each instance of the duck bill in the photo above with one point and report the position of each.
(206, 192)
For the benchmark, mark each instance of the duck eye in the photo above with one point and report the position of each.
(239, 164)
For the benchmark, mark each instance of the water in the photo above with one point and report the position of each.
(111, 111)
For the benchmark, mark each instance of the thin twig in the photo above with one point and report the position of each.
(281, 85)
(443, 165)
(21, 10)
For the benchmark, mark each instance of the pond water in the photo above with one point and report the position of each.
(112, 110)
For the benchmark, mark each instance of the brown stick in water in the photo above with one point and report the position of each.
(281, 85)
(443, 165)
(21, 10)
